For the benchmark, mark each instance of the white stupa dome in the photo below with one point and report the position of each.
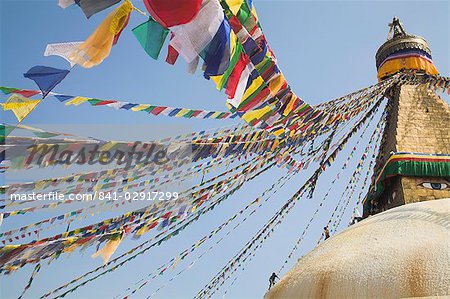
(400, 253)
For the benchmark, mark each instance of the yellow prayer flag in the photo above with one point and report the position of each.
(141, 231)
(20, 105)
(255, 15)
(276, 143)
(234, 5)
(182, 112)
(256, 114)
(39, 185)
(275, 84)
(215, 114)
(253, 87)
(76, 101)
(140, 107)
(278, 132)
(290, 106)
(107, 146)
(217, 80)
(177, 260)
(108, 250)
(98, 46)
(71, 248)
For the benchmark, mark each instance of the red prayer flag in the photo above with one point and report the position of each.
(105, 102)
(158, 110)
(26, 93)
(235, 76)
(172, 54)
(197, 112)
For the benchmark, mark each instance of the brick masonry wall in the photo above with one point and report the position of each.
(423, 123)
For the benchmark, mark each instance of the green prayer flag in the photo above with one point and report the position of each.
(94, 102)
(244, 13)
(233, 61)
(8, 90)
(189, 114)
(45, 134)
(151, 35)
(5, 130)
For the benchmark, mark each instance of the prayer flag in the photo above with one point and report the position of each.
(27, 93)
(62, 50)
(91, 7)
(172, 54)
(217, 54)
(191, 38)
(63, 98)
(173, 12)
(151, 35)
(237, 82)
(8, 90)
(98, 46)
(108, 250)
(192, 66)
(76, 101)
(65, 3)
(46, 77)
(20, 105)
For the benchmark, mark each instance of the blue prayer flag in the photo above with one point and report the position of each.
(46, 77)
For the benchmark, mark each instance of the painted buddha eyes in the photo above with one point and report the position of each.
(435, 186)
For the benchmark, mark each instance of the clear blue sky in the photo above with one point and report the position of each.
(326, 49)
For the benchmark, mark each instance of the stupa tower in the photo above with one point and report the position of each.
(413, 162)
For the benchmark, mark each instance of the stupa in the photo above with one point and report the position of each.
(402, 248)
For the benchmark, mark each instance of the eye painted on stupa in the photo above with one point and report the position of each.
(434, 185)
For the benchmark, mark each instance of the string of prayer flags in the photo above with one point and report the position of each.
(98, 46)
(94, 177)
(62, 50)
(46, 78)
(337, 177)
(135, 107)
(236, 55)
(151, 35)
(258, 202)
(91, 7)
(174, 12)
(435, 82)
(25, 92)
(358, 171)
(170, 177)
(35, 272)
(276, 219)
(127, 222)
(40, 132)
(143, 247)
(20, 105)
